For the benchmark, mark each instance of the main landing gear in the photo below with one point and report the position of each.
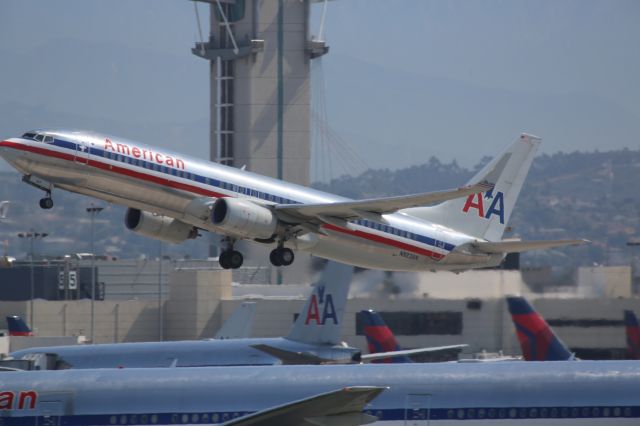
(281, 256)
(230, 258)
(46, 202)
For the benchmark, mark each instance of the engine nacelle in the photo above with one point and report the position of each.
(159, 227)
(244, 218)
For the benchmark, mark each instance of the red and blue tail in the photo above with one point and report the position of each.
(537, 340)
(380, 338)
(17, 326)
(633, 334)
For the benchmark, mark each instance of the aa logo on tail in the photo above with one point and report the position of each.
(477, 201)
(324, 302)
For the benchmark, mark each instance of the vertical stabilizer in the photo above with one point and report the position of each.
(4, 209)
(380, 338)
(239, 324)
(320, 321)
(485, 215)
(17, 326)
(537, 340)
(632, 329)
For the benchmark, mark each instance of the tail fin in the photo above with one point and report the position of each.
(486, 215)
(239, 324)
(380, 338)
(17, 326)
(320, 321)
(4, 209)
(633, 334)
(537, 340)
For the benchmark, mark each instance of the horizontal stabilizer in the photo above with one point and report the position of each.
(406, 352)
(291, 358)
(519, 246)
(340, 407)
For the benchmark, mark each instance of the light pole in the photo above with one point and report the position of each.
(31, 235)
(160, 313)
(93, 211)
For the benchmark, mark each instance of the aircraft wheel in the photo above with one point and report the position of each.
(46, 203)
(223, 259)
(286, 256)
(281, 257)
(235, 259)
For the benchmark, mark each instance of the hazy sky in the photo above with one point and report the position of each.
(404, 79)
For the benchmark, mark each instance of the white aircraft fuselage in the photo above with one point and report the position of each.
(170, 195)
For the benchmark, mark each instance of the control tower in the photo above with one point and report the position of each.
(259, 53)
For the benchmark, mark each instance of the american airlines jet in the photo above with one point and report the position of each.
(499, 393)
(170, 197)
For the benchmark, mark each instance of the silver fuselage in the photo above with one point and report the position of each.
(159, 181)
(503, 393)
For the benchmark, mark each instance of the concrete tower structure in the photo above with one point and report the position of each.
(259, 53)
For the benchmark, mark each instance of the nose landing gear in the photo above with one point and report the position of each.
(46, 202)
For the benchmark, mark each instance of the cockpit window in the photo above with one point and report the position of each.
(39, 138)
(48, 139)
(29, 135)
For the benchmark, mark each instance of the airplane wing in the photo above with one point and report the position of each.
(292, 358)
(372, 208)
(519, 246)
(404, 352)
(340, 407)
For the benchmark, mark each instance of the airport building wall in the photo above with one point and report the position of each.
(201, 298)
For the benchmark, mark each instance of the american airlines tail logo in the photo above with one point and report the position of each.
(318, 301)
(477, 201)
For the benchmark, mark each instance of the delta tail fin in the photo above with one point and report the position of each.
(632, 328)
(380, 338)
(320, 321)
(537, 340)
(239, 324)
(17, 326)
(485, 215)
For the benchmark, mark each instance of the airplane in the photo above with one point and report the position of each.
(632, 330)
(380, 340)
(17, 326)
(537, 339)
(505, 393)
(171, 197)
(239, 324)
(314, 338)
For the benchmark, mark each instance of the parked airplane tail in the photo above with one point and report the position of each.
(633, 334)
(485, 215)
(537, 340)
(17, 326)
(239, 324)
(4, 209)
(320, 321)
(380, 338)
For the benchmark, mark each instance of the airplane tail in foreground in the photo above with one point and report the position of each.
(537, 340)
(320, 321)
(380, 338)
(17, 326)
(633, 334)
(485, 215)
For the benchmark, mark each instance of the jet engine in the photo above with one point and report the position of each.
(158, 227)
(243, 218)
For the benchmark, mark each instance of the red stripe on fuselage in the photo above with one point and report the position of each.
(200, 191)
